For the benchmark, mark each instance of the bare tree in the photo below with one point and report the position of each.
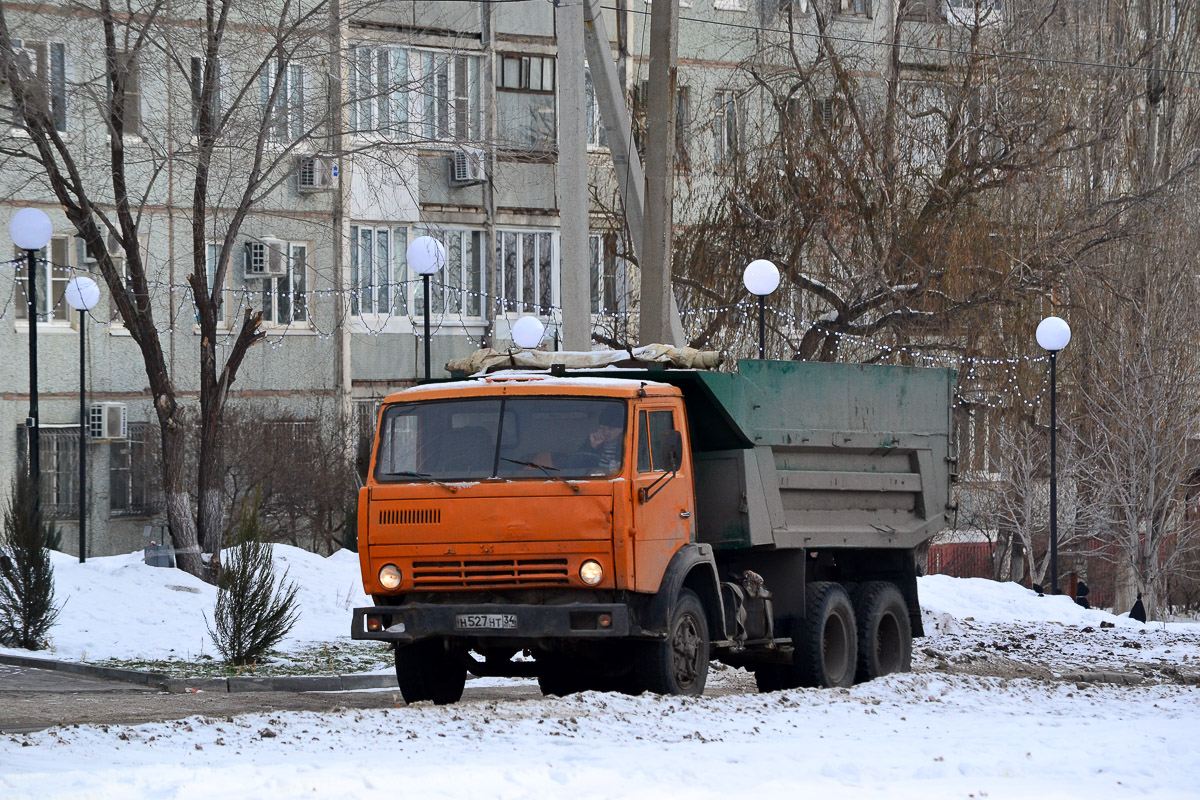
(889, 194)
(244, 71)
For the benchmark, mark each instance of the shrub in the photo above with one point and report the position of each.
(27, 607)
(254, 610)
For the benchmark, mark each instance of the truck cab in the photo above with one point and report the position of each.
(522, 513)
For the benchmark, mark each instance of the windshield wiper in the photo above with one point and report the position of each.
(549, 471)
(424, 475)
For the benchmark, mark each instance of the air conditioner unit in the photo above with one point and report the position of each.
(264, 259)
(108, 422)
(467, 167)
(316, 173)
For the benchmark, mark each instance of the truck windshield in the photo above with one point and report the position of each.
(514, 438)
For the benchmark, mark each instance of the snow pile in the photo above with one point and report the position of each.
(117, 607)
(992, 601)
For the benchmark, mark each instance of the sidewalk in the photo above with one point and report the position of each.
(241, 683)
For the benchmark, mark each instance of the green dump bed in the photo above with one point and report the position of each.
(796, 454)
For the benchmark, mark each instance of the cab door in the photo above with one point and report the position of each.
(663, 505)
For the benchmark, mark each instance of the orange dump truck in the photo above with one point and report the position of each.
(617, 529)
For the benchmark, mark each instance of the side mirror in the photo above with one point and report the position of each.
(362, 458)
(673, 445)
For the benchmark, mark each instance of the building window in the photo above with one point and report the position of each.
(130, 471)
(58, 462)
(377, 270)
(282, 91)
(449, 104)
(609, 281)
(525, 102)
(596, 136)
(379, 96)
(856, 8)
(528, 264)
(130, 110)
(53, 274)
(214, 97)
(45, 63)
(729, 5)
(285, 298)
(726, 126)
(458, 288)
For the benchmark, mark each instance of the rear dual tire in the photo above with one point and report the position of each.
(884, 630)
(825, 653)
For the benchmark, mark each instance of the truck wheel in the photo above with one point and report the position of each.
(884, 630)
(825, 652)
(678, 664)
(426, 671)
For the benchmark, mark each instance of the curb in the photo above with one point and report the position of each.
(245, 683)
(153, 679)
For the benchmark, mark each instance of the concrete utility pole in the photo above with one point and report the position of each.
(660, 176)
(574, 275)
(631, 182)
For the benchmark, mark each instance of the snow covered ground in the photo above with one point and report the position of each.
(987, 712)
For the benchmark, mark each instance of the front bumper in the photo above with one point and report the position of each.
(415, 621)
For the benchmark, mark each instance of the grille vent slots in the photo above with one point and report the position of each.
(410, 516)
(490, 572)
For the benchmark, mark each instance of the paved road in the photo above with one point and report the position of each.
(34, 699)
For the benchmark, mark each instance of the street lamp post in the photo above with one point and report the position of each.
(31, 229)
(761, 277)
(1053, 334)
(426, 256)
(527, 332)
(82, 295)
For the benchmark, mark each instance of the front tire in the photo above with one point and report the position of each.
(678, 664)
(426, 670)
(826, 650)
(884, 631)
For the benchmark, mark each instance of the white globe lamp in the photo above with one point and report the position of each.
(527, 332)
(761, 277)
(82, 294)
(30, 229)
(1053, 334)
(426, 256)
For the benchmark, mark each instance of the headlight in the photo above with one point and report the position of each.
(591, 572)
(389, 576)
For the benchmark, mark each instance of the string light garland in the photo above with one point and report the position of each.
(975, 388)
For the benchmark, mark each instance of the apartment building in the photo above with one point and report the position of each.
(400, 119)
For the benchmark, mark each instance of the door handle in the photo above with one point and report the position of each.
(685, 514)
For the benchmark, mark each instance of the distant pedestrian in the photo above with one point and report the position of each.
(1081, 594)
(1138, 611)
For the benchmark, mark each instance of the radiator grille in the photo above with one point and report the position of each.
(490, 572)
(410, 516)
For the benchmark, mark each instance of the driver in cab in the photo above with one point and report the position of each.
(605, 442)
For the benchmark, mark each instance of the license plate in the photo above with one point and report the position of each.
(503, 622)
